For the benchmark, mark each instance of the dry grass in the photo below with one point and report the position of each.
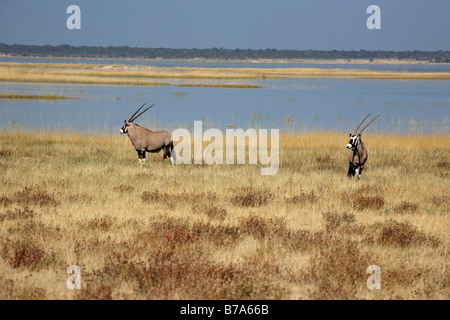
(178, 76)
(249, 197)
(116, 75)
(223, 231)
(337, 270)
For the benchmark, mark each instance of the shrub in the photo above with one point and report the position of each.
(182, 272)
(406, 207)
(24, 213)
(368, 202)
(5, 201)
(172, 200)
(250, 197)
(335, 219)
(338, 270)
(303, 197)
(124, 188)
(5, 153)
(213, 212)
(403, 234)
(34, 196)
(19, 254)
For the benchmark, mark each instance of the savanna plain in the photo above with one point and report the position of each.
(223, 231)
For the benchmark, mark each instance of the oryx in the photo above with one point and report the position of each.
(145, 140)
(357, 151)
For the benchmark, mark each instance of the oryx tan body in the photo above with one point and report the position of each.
(357, 152)
(357, 157)
(144, 140)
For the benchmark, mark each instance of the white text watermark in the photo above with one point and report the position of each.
(74, 281)
(374, 281)
(234, 153)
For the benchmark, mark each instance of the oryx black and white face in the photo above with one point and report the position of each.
(124, 129)
(354, 140)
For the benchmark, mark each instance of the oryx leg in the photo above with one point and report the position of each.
(351, 171)
(168, 154)
(141, 155)
(360, 170)
(172, 154)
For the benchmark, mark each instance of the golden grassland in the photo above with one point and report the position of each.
(223, 231)
(151, 76)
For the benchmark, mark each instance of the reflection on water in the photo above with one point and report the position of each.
(299, 105)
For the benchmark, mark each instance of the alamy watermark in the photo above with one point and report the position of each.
(235, 153)
(74, 281)
(374, 21)
(74, 20)
(374, 281)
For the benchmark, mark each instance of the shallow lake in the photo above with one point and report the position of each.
(290, 105)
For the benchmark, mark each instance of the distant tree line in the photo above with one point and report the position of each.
(121, 52)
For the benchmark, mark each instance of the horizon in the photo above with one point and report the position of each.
(215, 48)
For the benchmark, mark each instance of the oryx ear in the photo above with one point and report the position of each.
(350, 134)
(359, 135)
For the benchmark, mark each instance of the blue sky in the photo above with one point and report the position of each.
(231, 24)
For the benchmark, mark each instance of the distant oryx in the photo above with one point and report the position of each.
(357, 151)
(145, 140)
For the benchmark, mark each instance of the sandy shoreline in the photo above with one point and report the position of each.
(249, 61)
(209, 76)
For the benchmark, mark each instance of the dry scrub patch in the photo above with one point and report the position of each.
(406, 207)
(250, 197)
(17, 213)
(213, 212)
(367, 197)
(402, 234)
(34, 195)
(12, 292)
(172, 200)
(302, 198)
(24, 254)
(170, 261)
(124, 188)
(5, 153)
(338, 270)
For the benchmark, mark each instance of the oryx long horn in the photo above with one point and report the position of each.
(136, 112)
(369, 123)
(356, 131)
(142, 112)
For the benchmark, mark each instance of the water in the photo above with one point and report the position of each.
(290, 105)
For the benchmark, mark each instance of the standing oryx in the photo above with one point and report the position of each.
(357, 151)
(145, 140)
